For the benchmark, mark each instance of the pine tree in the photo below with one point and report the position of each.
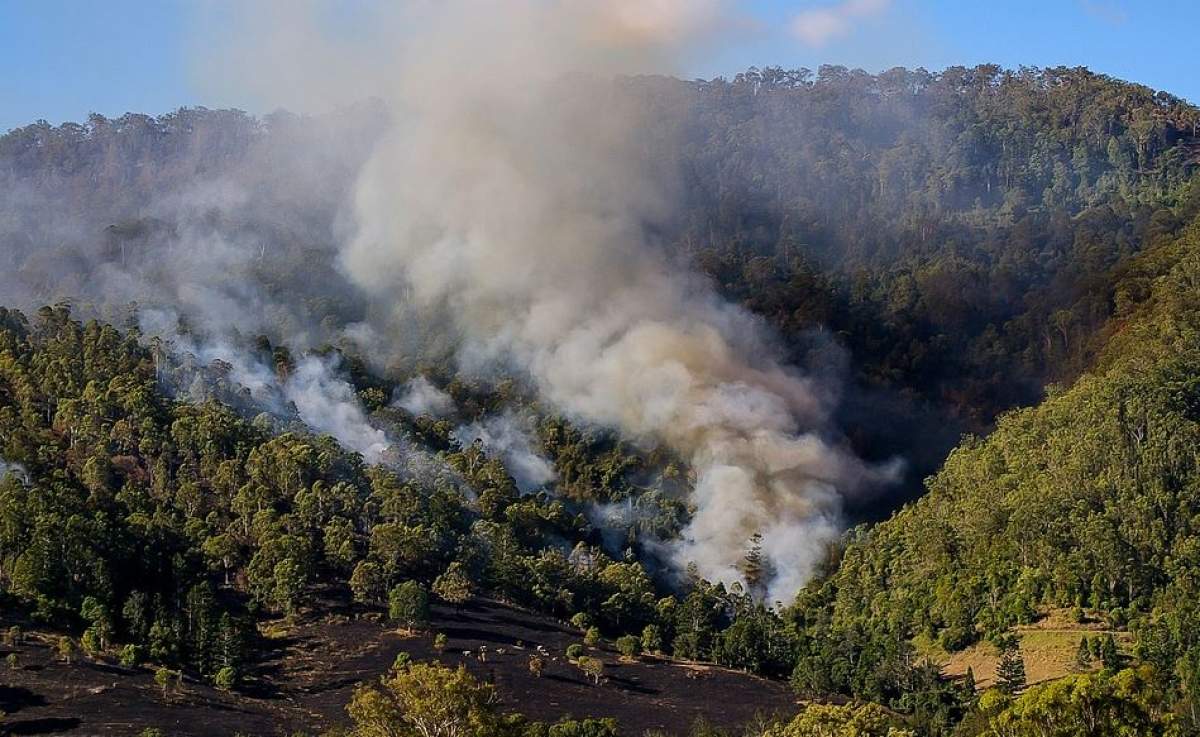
(1083, 655)
(754, 566)
(1110, 657)
(1010, 673)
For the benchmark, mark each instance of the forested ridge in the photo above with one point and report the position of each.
(1014, 253)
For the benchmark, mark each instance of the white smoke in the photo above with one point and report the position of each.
(818, 26)
(510, 436)
(14, 469)
(329, 405)
(321, 399)
(420, 397)
(514, 193)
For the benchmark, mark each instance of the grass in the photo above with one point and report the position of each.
(1047, 646)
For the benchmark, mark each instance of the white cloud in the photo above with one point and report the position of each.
(818, 26)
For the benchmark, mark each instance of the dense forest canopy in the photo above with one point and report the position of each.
(1012, 253)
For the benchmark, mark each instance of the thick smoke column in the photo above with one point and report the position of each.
(514, 193)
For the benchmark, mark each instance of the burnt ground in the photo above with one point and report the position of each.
(310, 669)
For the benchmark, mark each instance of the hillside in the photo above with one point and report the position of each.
(955, 232)
(310, 667)
(1085, 502)
(242, 447)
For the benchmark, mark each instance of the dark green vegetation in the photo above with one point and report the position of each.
(975, 240)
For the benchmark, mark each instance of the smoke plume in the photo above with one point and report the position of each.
(515, 194)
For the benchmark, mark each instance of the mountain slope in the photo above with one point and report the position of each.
(1090, 500)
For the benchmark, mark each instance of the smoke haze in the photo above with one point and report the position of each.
(506, 196)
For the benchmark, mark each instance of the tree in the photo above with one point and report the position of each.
(584, 728)
(132, 655)
(1010, 672)
(165, 678)
(629, 645)
(1126, 703)
(754, 566)
(408, 604)
(366, 582)
(1083, 655)
(652, 641)
(66, 649)
(453, 586)
(1110, 656)
(851, 720)
(592, 667)
(426, 699)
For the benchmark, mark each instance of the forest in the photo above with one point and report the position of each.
(998, 269)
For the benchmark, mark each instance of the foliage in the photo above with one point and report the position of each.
(429, 700)
(408, 604)
(852, 720)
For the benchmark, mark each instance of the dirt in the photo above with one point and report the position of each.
(312, 667)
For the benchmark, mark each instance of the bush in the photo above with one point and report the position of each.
(629, 646)
(90, 642)
(956, 637)
(132, 656)
(165, 678)
(439, 642)
(65, 648)
(402, 661)
(591, 638)
(226, 678)
(574, 650)
(585, 728)
(580, 621)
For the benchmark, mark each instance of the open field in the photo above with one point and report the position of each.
(1047, 646)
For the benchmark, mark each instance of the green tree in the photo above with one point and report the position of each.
(1010, 672)
(593, 668)
(367, 582)
(453, 586)
(652, 641)
(629, 645)
(408, 604)
(426, 699)
(851, 720)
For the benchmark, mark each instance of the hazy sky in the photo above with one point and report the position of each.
(61, 59)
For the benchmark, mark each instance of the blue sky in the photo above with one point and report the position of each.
(61, 59)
